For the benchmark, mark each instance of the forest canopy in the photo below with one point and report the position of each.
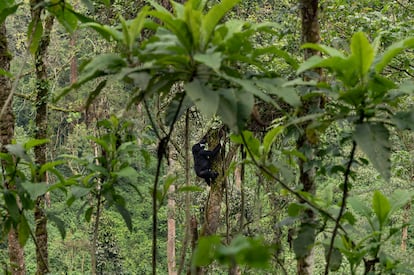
(301, 113)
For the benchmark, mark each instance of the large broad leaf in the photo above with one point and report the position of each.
(404, 120)
(11, 205)
(24, 230)
(362, 53)
(107, 32)
(173, 113)
(382, 207)
(393, 51)
(335, 258)
(212, 60)
(324, 49)
(360, 207)
(212, 18)
(304, 241)
(235, 108)
(62, 12)
(205, 251)
(60, 224)
(35, 189)
(206, 100)
(7, 8)
(274, 87)
(373, 139)
(126, 215)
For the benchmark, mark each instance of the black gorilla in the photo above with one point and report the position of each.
(203, 160)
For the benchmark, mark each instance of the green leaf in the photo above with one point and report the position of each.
(88, 214)
(336, 258)
(404, 120)
(24, 231)
(7, 9)
(204, 253)
(294, 209)
(129, 173)
(270, 137)
(171, 112)
(213, 17)
(11, 205)
(107, 32)
(59, 223)
(35, 142)
(137, 25)
(95, 93)
(126, 215)
(304, 241)
(393, 51)
(79, 191)
(400, 198)
(362, 53)
(35, 189)
(323, 49)
(235, 108)
(373, 139)
(206, 100)
(193, 18)
(6, 73)
(63, 13)
(274, 87)
(19, 151)
(360, 207)
(48, 166)
(34, 34)
(212, 60)
(381, 206)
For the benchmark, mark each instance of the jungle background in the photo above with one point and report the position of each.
(311, 100)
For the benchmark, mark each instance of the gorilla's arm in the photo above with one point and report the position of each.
(213, 153)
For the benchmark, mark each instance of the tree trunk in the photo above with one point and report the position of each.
(310, 34)
(213, 207)
(404, 233)
(171, 231)
(42, 96)
(16, 253)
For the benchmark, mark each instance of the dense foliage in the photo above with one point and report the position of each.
(149, 72)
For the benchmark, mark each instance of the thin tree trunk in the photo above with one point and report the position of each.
(171, 231)
(73, 60)
(213, 208)
(16, 253)
(42, 89)
(171, 219)
(310, 34)
(187, 194)
(404, 233)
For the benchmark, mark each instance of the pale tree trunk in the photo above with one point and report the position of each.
(16, 255)
(188, 221)
(171, 231)
(310, 34)
(171, 220)
(42, 89)
(404, 233)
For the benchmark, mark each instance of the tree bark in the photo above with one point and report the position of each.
(42, 89)
(404, 232)
(171, 232)
(16, 252)
(310, 34)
